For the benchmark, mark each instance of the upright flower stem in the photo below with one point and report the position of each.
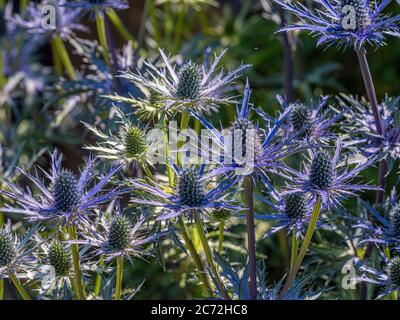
(220, 236)
(116, 21)
(195, 256)
(209, 257)
(369, 87)
(251, 236)
(1, 289)
(101, 33)
(118, 278)
(303, 249)
(97, 284)
(382, 169)
(64, 57)
(295, 248)
(22, 292)
(79, 293)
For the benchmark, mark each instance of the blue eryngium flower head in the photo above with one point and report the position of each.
(310, 121)
(116, 235)
(248, 149)
(387, 276)
(66, 19)
(185, 87)
(194, 191)
(94, 6)
(381, 225)
(329, 176)
(361, 126)
(290, 212)
(345, 22)
(67, 199)
(16, 252)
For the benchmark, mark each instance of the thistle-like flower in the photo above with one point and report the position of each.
(345, 22)
(67, 200)
(116, 235)
(311, 122)
(66, 19)
(16, 254)
(360, 120)
(381, 225)
(248, 149)
(388, 277)
(129, 145)
(290, 212)
(191, 87)
(194, 191)
(329, 177)
(98, 5)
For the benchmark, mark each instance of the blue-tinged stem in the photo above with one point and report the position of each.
(382, 170)
(251, 235)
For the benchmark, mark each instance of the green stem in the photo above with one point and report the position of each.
(295, 249)
(19, 287)
(209, 257)
(64, 57)
(97, 285)
(79, 293)
(118, 279)
(195, 256)
(116, 21)
(146, 170)
(3, 79)
(221, 236)
(1, 289)
(304, 247)
(56, 59)
(179, 26)
(101, 33)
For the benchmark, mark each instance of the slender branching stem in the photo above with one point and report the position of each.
(251, 236)
(303, 249)
(22, 292)
(79, 294)
(209, 257)
(118, 278)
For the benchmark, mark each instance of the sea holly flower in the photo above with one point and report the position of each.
(194, 191)
(54, 270)
(388, 278)
(249, 149)
(98, 5)
(66, 20)
(291, 212)
(347, 23)
(116, 235)
(360, 121)
(185, 87)
(16, 253)
(311, 122)
(329, 177)
(67, 199)
(129, 145)
(382, 225)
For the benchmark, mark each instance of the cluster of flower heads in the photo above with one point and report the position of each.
(296, 159)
